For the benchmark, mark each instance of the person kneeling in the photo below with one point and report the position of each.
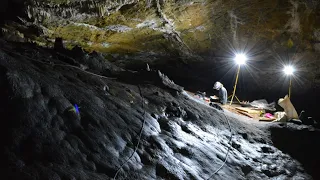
(223, 94)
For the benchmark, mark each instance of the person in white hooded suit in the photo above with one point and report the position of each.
(223, 94)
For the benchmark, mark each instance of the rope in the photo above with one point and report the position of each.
(144, 111)
(225, 160)
(75, 67)
(139, 138)
(91, 73)
(62, 65)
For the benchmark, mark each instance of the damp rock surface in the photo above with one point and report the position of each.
(63, 122)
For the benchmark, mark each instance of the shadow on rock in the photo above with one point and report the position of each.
(300, 142)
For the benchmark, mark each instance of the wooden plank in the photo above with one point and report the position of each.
(246, 114)
(242, 109)
(248, 110)
(266, 119)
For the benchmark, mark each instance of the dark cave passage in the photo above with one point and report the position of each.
(10, 10)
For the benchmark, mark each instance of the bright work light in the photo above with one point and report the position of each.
(240, 59)
(288, 70)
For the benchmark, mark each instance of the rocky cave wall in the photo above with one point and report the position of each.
(192, 41)
(131, 26)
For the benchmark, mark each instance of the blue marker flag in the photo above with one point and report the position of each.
(76, 108)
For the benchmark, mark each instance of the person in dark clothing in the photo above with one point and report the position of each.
(223, 94)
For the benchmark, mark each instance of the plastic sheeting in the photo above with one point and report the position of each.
(263, 104)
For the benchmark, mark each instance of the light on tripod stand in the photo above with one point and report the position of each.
(289, 70)
(240, 59)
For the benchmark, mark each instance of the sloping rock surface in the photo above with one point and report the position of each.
(45, 137)
(194, 42)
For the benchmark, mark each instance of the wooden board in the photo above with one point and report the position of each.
(246, 114)
(248, 110)
(266, 119)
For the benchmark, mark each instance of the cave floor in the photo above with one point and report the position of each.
(249, 112)
(168, 133)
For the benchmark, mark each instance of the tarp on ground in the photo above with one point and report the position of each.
(263, 104)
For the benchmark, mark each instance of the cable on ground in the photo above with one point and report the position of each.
(225, 160)
(140, 92)
(139, 138)
(144, 111)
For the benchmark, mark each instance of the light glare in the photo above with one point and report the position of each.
(240, 59)
(288, 70)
